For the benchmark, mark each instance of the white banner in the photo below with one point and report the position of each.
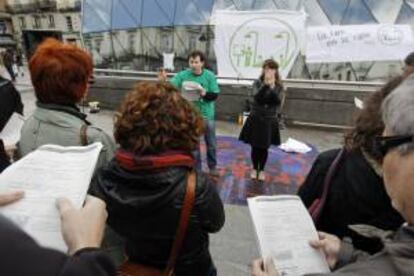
(243, 40)
(351, 43)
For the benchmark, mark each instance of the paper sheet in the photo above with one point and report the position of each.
(11, 131)
(191, 90)
(46, 174)
(168, 61)
(358, 103)
(284, 229)
(292, 145)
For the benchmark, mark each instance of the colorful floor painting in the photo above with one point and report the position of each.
(284, 171)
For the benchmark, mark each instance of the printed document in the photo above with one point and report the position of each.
(284, 229)
(45, 175)
(191, 91)
(11, 131)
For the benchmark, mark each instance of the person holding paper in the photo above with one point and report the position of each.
(144, 186)
(397, 147)
(262, 127)
(356, 190)
(82, 231)
(198, 78)
(60, 75)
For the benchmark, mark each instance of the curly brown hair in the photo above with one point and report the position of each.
(368, 122)
(155, 118)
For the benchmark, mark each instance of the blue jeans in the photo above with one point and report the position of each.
(210, 139)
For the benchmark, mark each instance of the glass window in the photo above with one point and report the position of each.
(385, 11)
(406, 15)
(51, 21)
(166, 42)
(88, 44)
(334, 9)
(132, 37)
(22, 22)
(98, 44)
(264, 4)
(316, 15)
(358, 13)
(277, 4)
(69, 23)
(192, 42)
(3, 27)
(36, 22)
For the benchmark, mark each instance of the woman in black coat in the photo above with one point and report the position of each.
(262, 127)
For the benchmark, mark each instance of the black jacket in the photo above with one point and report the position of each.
(4, 158)
(145, 207)
(10, 101)
(21, 256)
(262, 127)
(357, 196)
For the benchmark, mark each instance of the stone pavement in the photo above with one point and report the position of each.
(235, 245)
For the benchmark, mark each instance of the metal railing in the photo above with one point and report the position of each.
(297, 83)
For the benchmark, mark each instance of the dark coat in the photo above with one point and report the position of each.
(357, 196)
(10, 101)
(261, 128)
(144, 208)
(21, 256)
(4, 158)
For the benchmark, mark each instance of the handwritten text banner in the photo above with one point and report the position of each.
(358, 43)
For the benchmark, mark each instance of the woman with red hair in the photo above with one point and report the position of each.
(60, 75)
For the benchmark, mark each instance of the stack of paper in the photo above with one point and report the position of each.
(191, 91)
(292, 145)
(45, 175)
(284, 229)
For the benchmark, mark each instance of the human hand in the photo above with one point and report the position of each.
(330, 246)
(202, 92)
(85, 227)
(261, 268)
(162, 74)
(10, 197)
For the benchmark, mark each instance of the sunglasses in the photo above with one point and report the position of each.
(383, 144)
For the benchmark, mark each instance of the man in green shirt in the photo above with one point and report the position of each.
(204, 81)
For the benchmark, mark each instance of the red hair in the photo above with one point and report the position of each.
(60, 72)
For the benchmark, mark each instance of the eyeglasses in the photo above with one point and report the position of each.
(383, 144)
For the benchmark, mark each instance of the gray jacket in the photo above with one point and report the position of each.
(397, 257)
(61, 125)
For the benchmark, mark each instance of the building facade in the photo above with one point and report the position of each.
(6, 27)
(35, 20)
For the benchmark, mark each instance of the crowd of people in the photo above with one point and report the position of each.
(150, 207)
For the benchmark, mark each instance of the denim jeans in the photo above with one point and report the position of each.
(210, 139)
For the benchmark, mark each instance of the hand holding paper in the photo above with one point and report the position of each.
(82, 228)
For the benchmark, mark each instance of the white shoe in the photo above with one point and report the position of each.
(253, 174)
(262, 176)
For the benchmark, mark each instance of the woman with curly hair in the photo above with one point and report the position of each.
(145, 184)
(60, 74)
(356, 192)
